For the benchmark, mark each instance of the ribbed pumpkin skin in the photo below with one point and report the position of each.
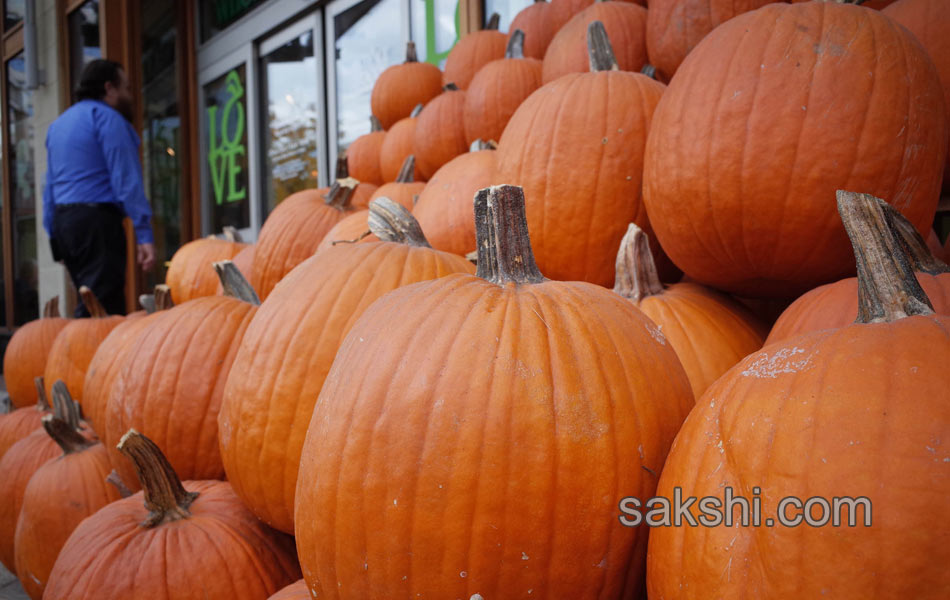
(17, 466)
(440, 132)
(488, 453)
(401, 193)
(350, 228)
(755, 154)
(835, 305)
(191, 275)
(853, 412)
(17, 425)
(626, 25)
(286, 354)
(674, 27)
(580, 191)
(244, 261)
(495, 93)
(221, 551)
(572, 7)
(72, 351)
(470, 54)
(171, 384)
(61, 493)
(363, 157)
(295, 591)
(444, 210)
(539, 22)
(25, 358)
(400, 88)
(709, 331)
(396, 147)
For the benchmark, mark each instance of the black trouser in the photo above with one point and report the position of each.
(90, 240)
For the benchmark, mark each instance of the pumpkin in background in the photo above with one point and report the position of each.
(576, 146)
(752, 138)
(176, 540)
(492, 402)
(61, 493)
(190, 274)
(498, 89)
(25, 357)
(539, 21)
(569, 8)
(472, 52)
(363, 154)
(626, 25)
(674, 27)
(855, 412)
(709, 331)
(171, 381)
(397, 146)
(444, 210)
(440, 131)
(76, 344)
(405, 189)
(351, 230)
(288, 349)
(295, 591)
(16, 425)
(400, 88)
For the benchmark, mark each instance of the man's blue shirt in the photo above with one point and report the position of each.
(93, 156)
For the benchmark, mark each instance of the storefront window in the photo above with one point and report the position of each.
(14, 12)
(83, 24)
(225, 130)
(22, 189)
(215, 15)
(434, 28)
(289, 80)
(506, 9)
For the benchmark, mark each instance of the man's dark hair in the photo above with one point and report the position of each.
(92, 82)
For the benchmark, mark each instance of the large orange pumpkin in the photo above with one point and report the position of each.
(297, 590)
(397, 146)
(20, 423)
(288, 349)
(400, 88)
(440, 131)
(569, 8)
(472, 52)
(576, 146)
(480, 447)
(754, 135)
(190, 274)
(25, 357)
(176, 540)
(857, 412)
(539, 21)
(363, 154)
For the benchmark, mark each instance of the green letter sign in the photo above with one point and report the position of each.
(223, 150)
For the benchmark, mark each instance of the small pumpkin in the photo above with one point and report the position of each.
(25, 357)
(473, 51)
(16, 425)
(397, 146)
(400, 88)
(440, 131)
(363, 154)
(190, 274)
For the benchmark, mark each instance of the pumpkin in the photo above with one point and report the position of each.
(175, 540)
(444, 210)
(854, 413)
(709, 331)
(626, 25)
(351, 230)
(397, 146)
(835, 305)
(75, 345)
(400, 88)
(295, 591)
(244, 261)
(363, 154)
(25, 357)
(581, 175)
(498, 89)
(751, 139)
(539, 21)
(288, 348)
(492, 401)
(404, 190)
(440, 131)
(473, 51)
(674, 27)
(171, 380)
(190, 274)
(16, 425)
(569, 8)
(59, 495)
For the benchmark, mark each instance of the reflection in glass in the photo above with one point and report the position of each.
(14, 12)
(22, 189)
(225, 134)
(83, 24)
(367, 40)
(434, 28)
(506, 9)
(289, 77)
(160, 132)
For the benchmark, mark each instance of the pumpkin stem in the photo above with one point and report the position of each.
(391, 222)
(494, 21)
(163, 297)
(636, 270)
(64, 407)
(483, 145)
(922, 259)
(416, 111)
(649, 70)
(341, 193)
(342, 167)
(411, 55)
(65, 436)
(165, 498)
(92, 303)
(230, 234)
(354, 240)
(116, 480)
(234, 283)
(42, 402)
(374, 124)
(887, 287)
(515, 47)
(599, 50)
(450, 87)
(407, 172)
(501, 233)
(51, 308)
(147, 302)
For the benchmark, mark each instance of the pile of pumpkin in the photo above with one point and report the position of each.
(429, 428)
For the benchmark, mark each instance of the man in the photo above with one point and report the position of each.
(93, 180)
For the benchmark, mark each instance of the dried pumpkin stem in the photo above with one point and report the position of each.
(64, 407)
(416, 111)
(483, 145)
(165, 497)
(65, 436)
(599, 50)
(116, 480)
(341, 193)
(636, 270)
(501, 231)
(393, 223)
(342, 167)
(515, 47)
(42, 402)
(407, 172)
(374, 124)
(887, 287)
(147, 302)
(494, 21)
(922, 259)
(411, 55)
(51, 308)
(234, 283)
(95, 308)
(450, 87)
(163, 297)
(649, 70)
(231, 234)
